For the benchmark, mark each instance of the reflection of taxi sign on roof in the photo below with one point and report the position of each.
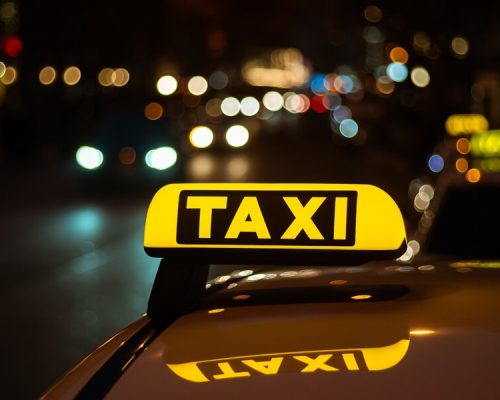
(364, 359)
(249, 222)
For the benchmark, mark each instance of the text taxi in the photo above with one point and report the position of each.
(292, 290)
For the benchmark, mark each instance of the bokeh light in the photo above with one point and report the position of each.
(459, 46)
(72, 75)
(120, 77)
(213, 107)
(473, 175)
(421, 42)
(9, 76)
(317, 83)
(343, 84)
(153, 111)
(420, 77)
(273, 101)
(89, 157)
(127, 155)
(166, 85)
(230, 106)
(361, 297)
(348, 128)
(13, 46)
(201, 166)
(332, 101)
(373, 14)
(435, 163)
(385, 85)
(237, 135)
(373, 35)
(341, 113)
(461, 165)
(47, 75)
(197, 85)
(249, 106)
(218, 80)
(201, 137)
(398, 54)
(105, 77)
(397, 71)
(463, 146)
(237, 168)
(458, 124)
(2, 68)
(161, 158)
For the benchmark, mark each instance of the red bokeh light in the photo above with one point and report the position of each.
(317, 104)
(13, 46)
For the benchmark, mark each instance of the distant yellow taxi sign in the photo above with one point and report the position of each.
(461, 124)
(487, 144)
(274, 223)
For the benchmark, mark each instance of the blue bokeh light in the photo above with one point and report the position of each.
(348, 128)
(317, 83)
(397, 72)
(435, 163)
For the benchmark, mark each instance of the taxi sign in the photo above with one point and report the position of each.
(274, 223)
(462, 124)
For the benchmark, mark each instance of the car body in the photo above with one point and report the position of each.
(429, 330)
(384, 329)
(120, 156)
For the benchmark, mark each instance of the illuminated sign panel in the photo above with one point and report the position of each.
(358, 359)
(459, 124)
(283, 218)
(487, 144)
(239, 218)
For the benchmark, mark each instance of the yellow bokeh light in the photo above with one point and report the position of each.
(9, 76)
(473, 175)
(460, 46)
(197, 85)
(237, 135)
(216, 310)
(72, 76)
(201, 137)
(458, 124)
(47, 75)
(166, 85)
(461, 165)
(153, 111)
(361, 297)
(463, 146)
(2, 69)
(421, 42)
(105, 77)
(420, 77)
(385, 86)
(398, 54)
(120, 77)
(373, 14)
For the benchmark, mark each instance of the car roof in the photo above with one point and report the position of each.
(433, 327)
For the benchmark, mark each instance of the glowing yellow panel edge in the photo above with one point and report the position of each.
(379, 223)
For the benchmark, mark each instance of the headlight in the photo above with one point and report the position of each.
(161, 158)
(89, 157)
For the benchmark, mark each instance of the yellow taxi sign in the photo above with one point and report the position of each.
(461, 124)
(487, 144)
(274, 223)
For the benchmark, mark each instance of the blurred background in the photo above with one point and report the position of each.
(102, 103)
